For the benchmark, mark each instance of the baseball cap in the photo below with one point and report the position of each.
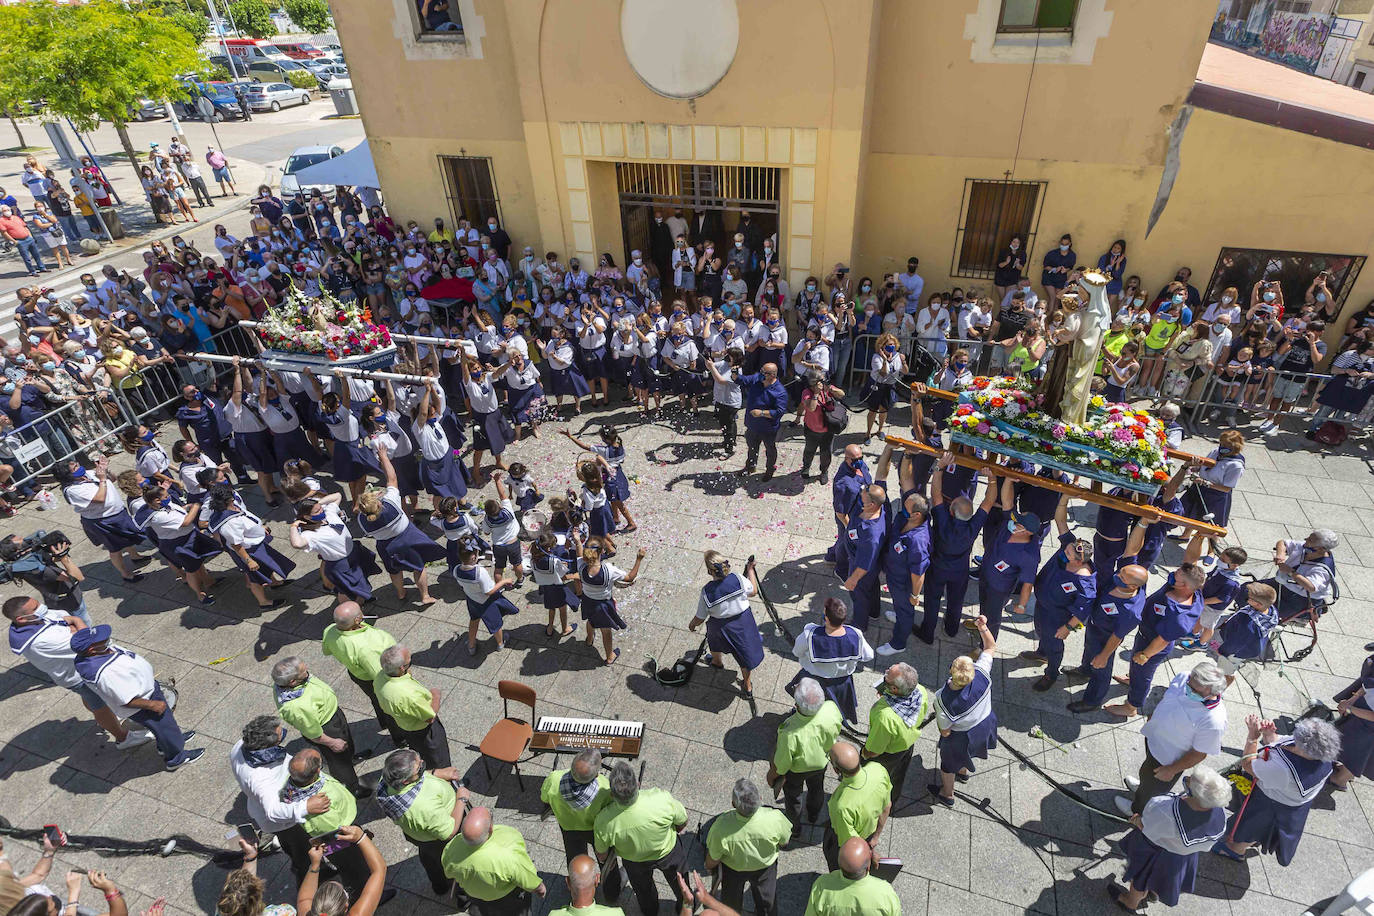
(1028, 520)
(84, 639)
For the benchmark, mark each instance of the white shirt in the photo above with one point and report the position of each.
(1317, 572)
(731, 605)
(558, 568)
(970, 318)
(887, 369)
(242, 529)
(932, 327)
(481, 395)
(50, 650)
(276, 417)
(81, 495)
(827, 668)
(1180, 725)
(1275, 776)
(681, 356)
(262, 787)
(432, 439)
(1161, 827)
(326, 541)
(610, 575)
(128, 677)
(188, 470)
(592, 335)
(169, 523)
(726, 394)
(501, 533)
(392, 497)
(478, 589)
(978, 711)
(242, 417)
(152, 461)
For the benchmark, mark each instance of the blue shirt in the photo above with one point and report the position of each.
(1113, 523)
(908, 553)
(759, 396)
(863, 541)
(847, 484)
(1118, 616)
(1060, 594)
(1055, 258)
(1221, 587)
(1010, 564)
(953, 539)
(959, 481)
(1167, 618)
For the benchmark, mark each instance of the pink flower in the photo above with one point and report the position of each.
(1059, 431)
(982, 429)
(1123, 436)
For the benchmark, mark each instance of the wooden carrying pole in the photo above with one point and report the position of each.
(1101, 499)
(1171, 452)
(323, 371)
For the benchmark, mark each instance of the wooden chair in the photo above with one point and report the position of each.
(510, 737)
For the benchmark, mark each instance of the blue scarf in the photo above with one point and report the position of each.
(578, 795)
(264, 757)
(396, 805)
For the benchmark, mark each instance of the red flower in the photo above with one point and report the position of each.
(998, 401)
(964, 410)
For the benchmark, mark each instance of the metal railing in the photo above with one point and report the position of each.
(57, 436)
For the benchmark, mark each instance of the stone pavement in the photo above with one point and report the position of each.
(1011, 844)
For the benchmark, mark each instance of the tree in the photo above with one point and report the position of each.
(310, 16)
(253, 18)
(94, 61)
(195, 24)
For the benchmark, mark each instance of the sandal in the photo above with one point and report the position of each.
(935, 794)
(1116, 892)
(614, 657)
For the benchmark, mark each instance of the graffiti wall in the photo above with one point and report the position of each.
(1296, 40)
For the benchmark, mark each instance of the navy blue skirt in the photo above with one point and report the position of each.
(453, 429)
(407, 474)
(559, 595)
(880, 396)
(255, 450)
(644, 374)
(1149, 868)
(489, 432)
(618, 486)
(619, 368)
(443, 477)
(685, 382)
(492, 611)
(1357, 746)
(409, 550)
(525, 404)
(528, 500)
(602, 614)
(295, 444)
(113, 532)
(271, 562)
(569, 381)
(190, 551)
(959, 748)
(1276, 827)
(838, 689)
(353, 462)
(1202, 499)
(738, 635)
(350, 574)
(593, 362)
(601, 520)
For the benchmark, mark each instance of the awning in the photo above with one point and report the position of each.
(354, 167)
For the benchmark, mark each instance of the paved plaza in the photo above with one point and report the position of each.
(1010, 844)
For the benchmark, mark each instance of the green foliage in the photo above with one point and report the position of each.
(309, 15)
(302, 79)
(92, 61)
(197, 25)
(215, 73)
(253, 18)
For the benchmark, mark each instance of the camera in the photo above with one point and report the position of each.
(45, 546)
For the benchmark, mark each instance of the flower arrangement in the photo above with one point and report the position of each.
(322, 326)
(1116, 439)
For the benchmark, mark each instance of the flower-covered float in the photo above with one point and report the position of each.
(323, 332)
(1116, 444)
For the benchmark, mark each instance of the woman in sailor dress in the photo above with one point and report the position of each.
(297, 391)
(772, 344)
(751, 331)
(623, 347)
(963, 713)
(252, 441)
(1162, 850)
(440, 472)
(1288, 773)
(591, 348)
(644, 377)
(249, 544)
(344, 563)
(1210, 500)
(486, 604)
(283, 419)
(103, 516)
(130, 486)
(831, 652)
(811, 354)
(594, 502)
(524, 394)
(730, 624)
(488, 426)
(1356, 725)
(383, 428)
(201, 419)
(600, 578)
(458, 529)
(191, 463)
(885, 371)
(551, 566)
(181, 542)
(152, 462)
(564, 376)
(612, 451)
(680, 355)
(352, 463)
(400, 544)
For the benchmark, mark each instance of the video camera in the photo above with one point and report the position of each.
(45, 546)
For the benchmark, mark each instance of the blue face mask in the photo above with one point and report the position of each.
(678, 338)
(148, 436)
(889, 349)
(1196, 697)
(1178, 298)
(318, 516)
(1011, 526)
(9, 388)
(1269, 297)
(1118, 582)
(165, 502)
(79, 472)
(49, 366)
(772, 322)
(960, 367)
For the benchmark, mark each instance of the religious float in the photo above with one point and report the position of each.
(320, 332)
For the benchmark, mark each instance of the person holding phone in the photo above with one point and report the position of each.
(332, 898)
(328, 830)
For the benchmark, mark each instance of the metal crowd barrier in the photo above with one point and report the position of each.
(38, 445)
(154, 394)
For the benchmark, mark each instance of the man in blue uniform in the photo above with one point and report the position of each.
(864, 538)
(905, 563)
(1168, 616)
(1109, 619)
(1010, 562)
(1064, 588)
(765, 402)
(851, 477)
(955, 527)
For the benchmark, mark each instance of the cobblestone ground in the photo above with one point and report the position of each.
(1011, 844)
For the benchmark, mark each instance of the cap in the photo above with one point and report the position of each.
(84, 639)
(1028, 520)
(138, 333)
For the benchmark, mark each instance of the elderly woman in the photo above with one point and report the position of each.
(1306, 575)
(1288, 773)
(963, 713)
(1162, 850)
(331, 898)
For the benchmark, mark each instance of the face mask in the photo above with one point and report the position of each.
(1015, 245)
(960, 367)
(639, 262)
(772, 322)
(1227, 300)
(1011, 526)
(739, 244)
(810, 287)
(889, 349)
(866, 287)
(80, 469)
(491, 226)
(1063, 247)
(1269, 297)
(318, 516)
(49, 366)
(148, 436)
(8, 388)
(679, 338)
(165, 502)
(1138, 301)
(1320, 297)
(1193, 695)
(727, 334)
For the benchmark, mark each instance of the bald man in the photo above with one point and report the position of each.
(850, 889)
(1113, 615)
(765, 401)
(860, 804)
(306, 779)
(583, 879)
(492, 866)
(359, 646)
(859, 558)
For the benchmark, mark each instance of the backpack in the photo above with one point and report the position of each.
(1331, 433)
(835, 414)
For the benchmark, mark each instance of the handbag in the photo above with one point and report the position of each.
(835, 414)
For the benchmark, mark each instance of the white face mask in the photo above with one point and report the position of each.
(1227, 300)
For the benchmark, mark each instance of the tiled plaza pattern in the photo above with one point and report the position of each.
(1025, 849)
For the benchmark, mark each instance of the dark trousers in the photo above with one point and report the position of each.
(830, 848)
(763, 887)
(431, 854)
(642, 878)
(1050, 646)
(952, 588)
(202, 192)
(384, 721)
(1099, 679)
(431, 743)
(991, 603)
(516, 903)
(1150, 784)
(171, 744)
(353, 870)
(340, 763)
(769, 440)
(792, 786)
(295, 842)
(575, 843)
(896, 764)
(725, 416)
(1142, 676)
(817, 443)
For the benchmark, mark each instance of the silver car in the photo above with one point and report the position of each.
(265, 96)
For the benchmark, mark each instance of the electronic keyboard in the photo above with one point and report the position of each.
(612, 737)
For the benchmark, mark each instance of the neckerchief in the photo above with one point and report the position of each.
(908, 708)
(578, 795)
(287, 694)
(264, 757)
(395, 804)
(292, 793)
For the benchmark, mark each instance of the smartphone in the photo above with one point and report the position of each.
(325, 839)
(55, 835)
(247, 831)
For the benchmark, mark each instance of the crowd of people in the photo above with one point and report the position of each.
(414, 473)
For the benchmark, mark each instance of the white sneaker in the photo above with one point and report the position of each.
(1123, 804)
(135, 738)
(890, 616)
(1132, 783)
(888, 649)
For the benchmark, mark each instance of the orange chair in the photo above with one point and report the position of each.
(510, 737)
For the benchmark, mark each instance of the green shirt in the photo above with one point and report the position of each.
(859, 801)
(360, 650)
(312, 709)
(887, 733)
(343, 809)
(748, 843)
(406, 700)
(494, 869)
(836, 895)
(595, 909)
(430, 816)
(568, 817)
(804, 742)
(643, 831)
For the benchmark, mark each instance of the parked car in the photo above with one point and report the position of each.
(148, 110)
(236, 66)
(273, 71)
(275, 96)
(315, 63)
(303, 158)
(220, 96)
(327, 75)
